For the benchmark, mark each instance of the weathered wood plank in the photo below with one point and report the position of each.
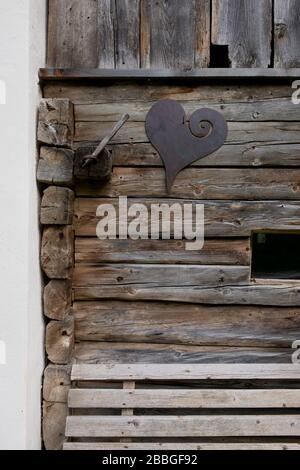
(130, 93)
(239, 132)
(127, 37)
(57, 299)
(152, 276)
(98, 171)
(138, 372)
(105, 30)
(55, 166)
(180, 446)
(183, 426)
(286, 33)
(57, 382)
(222, 218)
(219, 251)
(202, 34)
(57, 206)
(56, 122)
(284, 295)
(73, 33)
(60, 340)
(253, 154)
(174, 398)
(246, 28)
(199, 183)
(54, 423)
(262, 110)
(177, 323)
(57, 251)
(92, 352)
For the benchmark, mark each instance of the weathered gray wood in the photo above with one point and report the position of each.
(174, 34)
(180, 446)
(284, 295)
(246, 28)
(267, 109)
(127, 32)
(239, 132)
(222, 218)
(55, 166)
(60, 340)
(57, 206)
(98, 171)
(57, 252)
(93, 352)
(169, 322)
(241, 155)
(142, 372)
(219, 251)
(57, 383)
(286, 33)
(183, 426)
(56, 122)
(57, 299)
(54, 423)
(175, 398)
(73, 33)
(105, 27)
(199, 183)
(152, 276)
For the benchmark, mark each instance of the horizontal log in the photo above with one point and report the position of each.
(180, 446)
(54, 423)
(57, 382)
(183, 426)
(198, 183)
(56, 122)
(142, 372)
(57, 251)
(177, 323)
(285, 294)
(253, 154)
(57, 299)
(175, 398)
(222, 218)
(55, 166)
(153, 276)
(262, 110)
(87, 352)
(242, 92)
(215, 251)
(238, 132)
(57, 206)
(60, 340)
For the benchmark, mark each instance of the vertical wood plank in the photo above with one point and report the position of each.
(106, 34)
(202, 33)
(144, 34)
(73, 33)
(127, 36)
(246, 28)
(286, 33)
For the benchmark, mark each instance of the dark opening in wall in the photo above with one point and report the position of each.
(276, 255)
(219, 56)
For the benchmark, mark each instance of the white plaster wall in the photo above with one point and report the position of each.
(22, 52)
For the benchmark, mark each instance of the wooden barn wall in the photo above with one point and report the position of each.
(153, 301)
(173, 34)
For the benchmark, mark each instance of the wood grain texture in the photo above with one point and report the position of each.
(93, 352)
(57, 251)
(246, 28)
(57, 206)
(198, 183)
(106, 34)
(222, 218)
(155, 276)
(175, 398)
(55, 166)
(57, 299)
(149, 372)
(127, 29)
(284, 295)
(286, 33)
(183, 426)
(57, 382)
(175, 323)
(180, 446)
(56, 122)
(60, 340)
(54, 423)
(223, 251)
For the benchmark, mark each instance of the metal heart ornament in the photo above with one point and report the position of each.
(178, 143)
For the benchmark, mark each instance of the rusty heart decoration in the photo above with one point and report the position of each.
(180, 145)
